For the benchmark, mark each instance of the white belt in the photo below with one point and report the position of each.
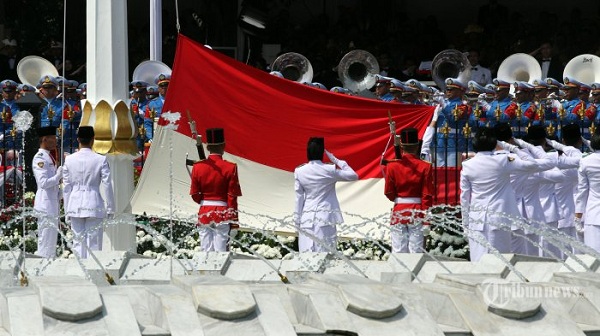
(212, 203)
(408, 200)
(81, 187)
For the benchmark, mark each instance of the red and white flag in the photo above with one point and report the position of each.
(268, 121)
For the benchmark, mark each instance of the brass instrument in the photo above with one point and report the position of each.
(294, 66)
(450, 63)
(357, 70)
(584, 68)
(519, 68)
(31, 68)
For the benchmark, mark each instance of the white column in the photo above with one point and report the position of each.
(107, 78)
(156, 30)
(107, 51)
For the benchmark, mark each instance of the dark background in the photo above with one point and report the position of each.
(399, 33)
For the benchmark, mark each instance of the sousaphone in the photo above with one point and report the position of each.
(450, 63)
(519, 68)
(31, 68)
(357, 70)
(584, 68)
(294, 66)
(148, 70)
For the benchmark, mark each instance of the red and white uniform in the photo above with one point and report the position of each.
(409, 184)
(216, 187)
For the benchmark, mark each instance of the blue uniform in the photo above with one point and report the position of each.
(6, 126)
(448, 145)
(490, 114)
(138, 107)
(572, 109)
(388, 97)
(155, 104)
(70, 126)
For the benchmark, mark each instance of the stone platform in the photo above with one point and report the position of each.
(225, 294)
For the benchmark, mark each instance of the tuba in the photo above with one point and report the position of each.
(450, 63)
(519, 68)
(294, 67)
(31, 68)
(584, 68)
(357, 70)
(148, 70)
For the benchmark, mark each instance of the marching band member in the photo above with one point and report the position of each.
(382, 88)
(450, 141)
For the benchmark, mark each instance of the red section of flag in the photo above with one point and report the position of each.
(268, 119)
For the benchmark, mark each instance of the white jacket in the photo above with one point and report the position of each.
(85, 173)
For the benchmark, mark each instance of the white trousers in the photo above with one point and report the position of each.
(214, 237)
(499, 240)
(318, 239)
(87, 232)
(407, 238)
(591, 236)
(47, 235)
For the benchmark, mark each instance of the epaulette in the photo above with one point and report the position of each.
(40, 154)
(510, 158)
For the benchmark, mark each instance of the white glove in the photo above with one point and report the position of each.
(507, 146)
(426, 230)
(59, 171)
(578, 225)
(1, 137)
(438, 97)
(556, 145)
(481, 99)
(331, 157)
(523, 144)
(436, 113)
(552, 96)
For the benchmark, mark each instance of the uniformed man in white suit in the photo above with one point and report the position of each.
(88, 193)
(488, 201)
(317, 210)
(47, 198)
(587, 200)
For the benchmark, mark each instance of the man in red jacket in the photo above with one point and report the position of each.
(409, 184)
(215, 186)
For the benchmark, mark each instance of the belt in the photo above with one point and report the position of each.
(212, 203)
(407, 200)
(81, 187)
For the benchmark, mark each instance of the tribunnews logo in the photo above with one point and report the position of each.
(499, 292)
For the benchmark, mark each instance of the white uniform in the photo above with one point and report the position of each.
(488, 200)
(587, 200)
(85, 174)
(317, 210)
(46, 204)
(530, 207)
(565, 195)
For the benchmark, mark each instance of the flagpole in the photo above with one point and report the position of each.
(156, 30)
